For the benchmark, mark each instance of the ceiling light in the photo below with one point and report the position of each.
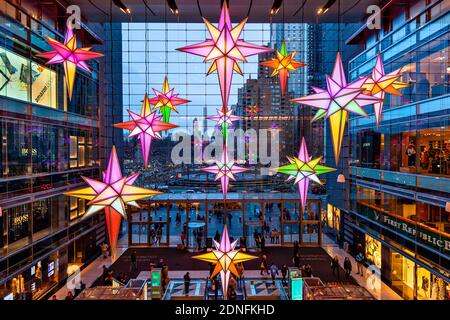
(341, 178)
(122, 7)
(276, 7)
(326, 7)
(173, 6)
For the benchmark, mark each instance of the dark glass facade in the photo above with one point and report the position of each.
(47, 142)
(395, 199)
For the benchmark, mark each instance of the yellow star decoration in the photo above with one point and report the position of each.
(225, 257)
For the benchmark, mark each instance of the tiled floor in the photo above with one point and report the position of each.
(89, 274)
(372, 283)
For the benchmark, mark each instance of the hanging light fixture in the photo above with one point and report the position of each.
(173, 7)
(341, 178)
(276, 7)
(122, 6)
(326, 7)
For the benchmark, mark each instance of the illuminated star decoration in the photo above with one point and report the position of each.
(225, 257)
(253, 110)
(381, 83)
(303, 169)
(225, 120)
(225, 169)
(337, 101)
(225, 49)
(166, 100)
(146, 126)
(282, 64)
(112, 195)
(71, 56)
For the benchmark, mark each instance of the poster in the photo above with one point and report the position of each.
(25, 80)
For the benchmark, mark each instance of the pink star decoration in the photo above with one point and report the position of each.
(146, 126)
(303, 169)
(225, 49)
(225, 120)
(71, 56)
(337, 101)
(225, 256)
(225, 169)
(112, 194)
(381, 83)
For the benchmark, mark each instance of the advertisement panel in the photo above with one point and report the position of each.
(26, 80)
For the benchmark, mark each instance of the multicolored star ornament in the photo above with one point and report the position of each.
(282, 64)
(225, 49)
(381, 83)
(225, 257)
(70, 55)
(225, 120)
(146, 126)
(166, 100)
(112, 194)
(225, 169)
(253, 111)
(337, 101)
(303, 169)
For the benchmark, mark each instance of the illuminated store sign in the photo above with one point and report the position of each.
(19, 220)
(427, 237)
(17, 73)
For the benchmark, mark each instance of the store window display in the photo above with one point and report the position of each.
(373, 251)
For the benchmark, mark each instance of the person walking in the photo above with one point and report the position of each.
(263, 265)
(335, 266)
(182, 237)
(347, 267)
(187, 283)
(133, 259)
(296, 260)
(240, 270)
(273, 272)
(104, 248)
(359, 259)
(284, 271)
(308, 271)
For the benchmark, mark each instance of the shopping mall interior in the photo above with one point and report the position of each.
(225, 150)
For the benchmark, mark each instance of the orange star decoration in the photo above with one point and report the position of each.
(282, 64)
(381, 83)
(225, 257)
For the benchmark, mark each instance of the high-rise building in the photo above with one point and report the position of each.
(47, 142)
(394, 207)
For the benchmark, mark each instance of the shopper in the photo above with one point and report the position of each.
(284, 271)
(359, 259)
(335, 266)
(296, 260)
(133, 259)
(104, 248)
(273, 272)
(232, 294)
(187, 283)
(182, 237)
(308, 271)
(54, 297)
(263, 265)
(347, 267)
(105, 273)
(69, 296)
